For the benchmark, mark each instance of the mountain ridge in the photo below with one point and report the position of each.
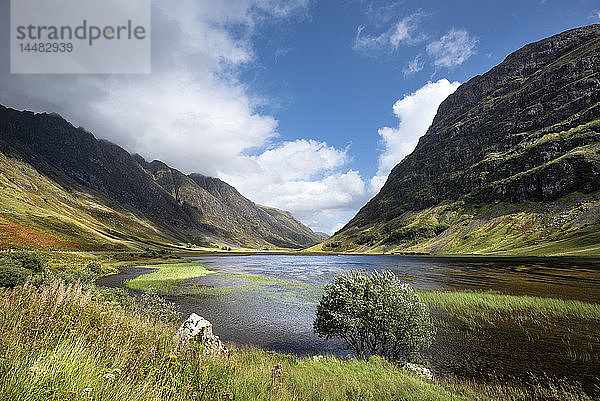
(527, 131)
(178, 206)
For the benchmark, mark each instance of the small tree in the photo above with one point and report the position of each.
(375, 315)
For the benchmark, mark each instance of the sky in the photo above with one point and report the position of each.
(303, 105)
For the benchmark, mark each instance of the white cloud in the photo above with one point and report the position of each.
(400, 33)
(301, 159)
(193, 112)
(303, 176)
(414, 66)
(415, 112)
(452, 49)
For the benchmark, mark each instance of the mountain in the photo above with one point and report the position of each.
(69, 190)
(510, 164)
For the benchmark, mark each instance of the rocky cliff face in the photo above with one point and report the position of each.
(525, 132)
(184, 208)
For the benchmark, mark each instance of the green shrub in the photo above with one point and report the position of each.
(375, 315)
(22, 259)
(12, 276)
(94, 267)
(158, 254)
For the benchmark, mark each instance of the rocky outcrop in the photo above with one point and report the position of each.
(199, 330)
(526, 131)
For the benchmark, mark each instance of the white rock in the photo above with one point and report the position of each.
(419, 370)
(198, 329)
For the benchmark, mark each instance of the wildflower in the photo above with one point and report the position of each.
(86, 393)
(116, 371)
(276, 373)
(109, 376)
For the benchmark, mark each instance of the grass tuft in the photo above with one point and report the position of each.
(491, 305)
(168, 276)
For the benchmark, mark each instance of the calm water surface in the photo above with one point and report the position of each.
(277, 313)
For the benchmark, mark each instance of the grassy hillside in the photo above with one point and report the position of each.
(37, 212)
(569, 226)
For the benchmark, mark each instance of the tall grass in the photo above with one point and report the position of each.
(65, 342)
(490, 305)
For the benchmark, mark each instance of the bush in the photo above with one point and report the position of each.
(158, 254)
(22, 259)
(12, 276)
(375, 315)
(94, 268)
(28, 260)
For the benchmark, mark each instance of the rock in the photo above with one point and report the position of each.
(419, 370)
(198, 329)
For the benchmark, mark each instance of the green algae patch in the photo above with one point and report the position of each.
(168, 276)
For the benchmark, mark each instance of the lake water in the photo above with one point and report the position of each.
(277, 313)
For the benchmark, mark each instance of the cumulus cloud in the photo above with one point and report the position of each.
(452, 49)
(402, 32)
(415, 112)
(304, 176)
(193, 111)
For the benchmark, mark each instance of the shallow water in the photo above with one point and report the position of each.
(278, 315)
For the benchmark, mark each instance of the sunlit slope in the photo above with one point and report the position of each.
(510, 164)
(37, 212)
(178, 208)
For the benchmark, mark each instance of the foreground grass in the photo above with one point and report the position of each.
(65, 342)
(473, 305)
(168, 276)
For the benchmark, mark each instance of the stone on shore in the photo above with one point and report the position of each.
(419, 370)
(197, 329)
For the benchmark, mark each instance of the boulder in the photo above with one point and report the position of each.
(197, 329)
(419, 370)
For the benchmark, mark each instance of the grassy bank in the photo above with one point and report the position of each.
(473, 306)
(68, 342)
(168, 276)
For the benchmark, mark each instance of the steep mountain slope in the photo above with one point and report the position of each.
(511, 161)
(274, 224)
(164, 204)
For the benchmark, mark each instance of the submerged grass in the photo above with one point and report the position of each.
(66, 342)
(491, 305)
(168, 276)
(265, 280)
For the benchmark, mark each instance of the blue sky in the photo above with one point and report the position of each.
(303, 105)
(322, 87)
